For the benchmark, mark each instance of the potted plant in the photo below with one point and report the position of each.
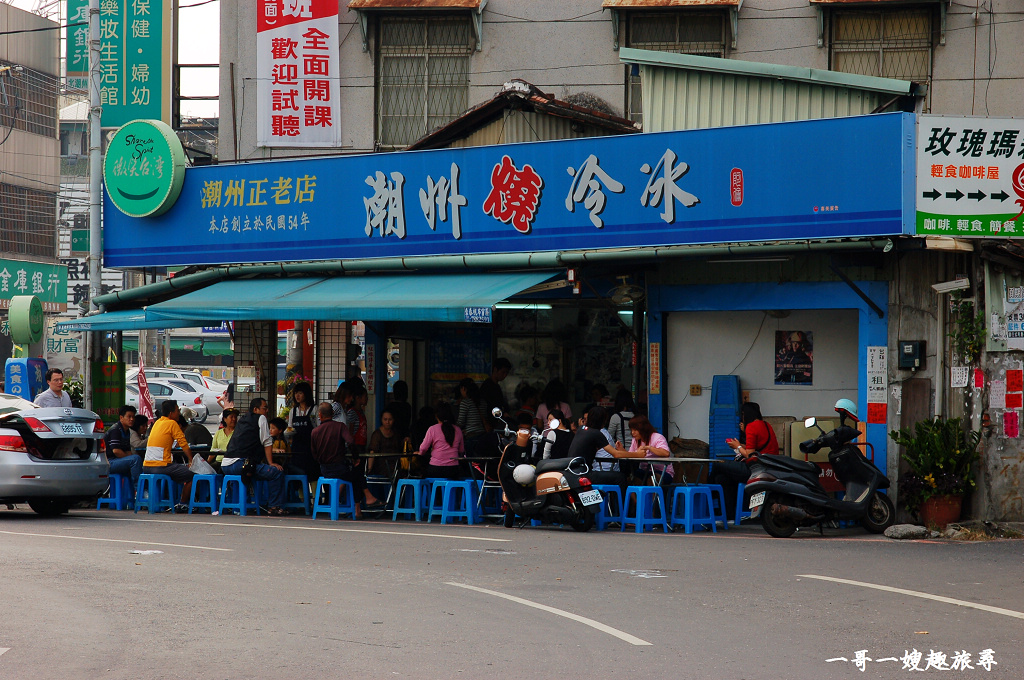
(940, 454)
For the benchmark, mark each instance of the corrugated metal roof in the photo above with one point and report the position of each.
(649, 4)
(414, 4)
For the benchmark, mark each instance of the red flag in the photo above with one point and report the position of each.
(145, 398)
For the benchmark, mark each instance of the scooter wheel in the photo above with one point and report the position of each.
(584, 523)
(777, 527)
(510, 519)
(880, 514)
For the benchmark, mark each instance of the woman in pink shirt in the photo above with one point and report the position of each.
(444, 443)
(651, 445)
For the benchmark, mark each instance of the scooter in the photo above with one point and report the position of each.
(556, 490)
(785, 493)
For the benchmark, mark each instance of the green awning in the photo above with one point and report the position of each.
(126, 320)
(434, 297)
(210, 348)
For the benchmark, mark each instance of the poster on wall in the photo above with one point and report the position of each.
(298, 90)
(878, 384)
(794, 357)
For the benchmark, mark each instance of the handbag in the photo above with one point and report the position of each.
(200, 466)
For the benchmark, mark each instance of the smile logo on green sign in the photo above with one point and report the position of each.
(144, 168)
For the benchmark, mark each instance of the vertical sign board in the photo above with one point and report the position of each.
(654, 367)
(76, 45)
(298, 91)
(878, 384)
(970, 176)
(135, 60)
(108, 389)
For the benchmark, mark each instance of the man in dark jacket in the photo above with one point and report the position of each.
(251, 440)
(330, 441)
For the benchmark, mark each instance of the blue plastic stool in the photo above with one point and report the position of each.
(210, 484)
(643, 512)
(418, 489)
(605, 516)
(155, 492)
(718, 504)
(742, 512)
(296, 492)
(459, 502)
(435, 497)
(234, 495)
(119, 495)
(338, 498)
(488, 497)
(696, 508)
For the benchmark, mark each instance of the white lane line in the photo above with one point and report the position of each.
(558, 612)
(914, 593)
(298, 528)
(4, 649)
(116, 540)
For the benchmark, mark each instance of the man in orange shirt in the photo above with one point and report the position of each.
(162, 435)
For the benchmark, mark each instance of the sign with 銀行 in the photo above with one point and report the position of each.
(76, 51)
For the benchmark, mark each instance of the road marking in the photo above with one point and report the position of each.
(914, 593)
(115, 540)
(558, 612)
(298, 528)
(4, 649)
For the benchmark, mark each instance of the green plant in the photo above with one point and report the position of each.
(940, 454)
(969, 329)
(75, 387)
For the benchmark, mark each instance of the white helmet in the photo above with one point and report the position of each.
(524, 474)
(849, 407)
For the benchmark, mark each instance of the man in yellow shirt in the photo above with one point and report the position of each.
(162, 435)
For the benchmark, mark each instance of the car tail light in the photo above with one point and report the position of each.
(198, 400)
(12, 442)
(584, 481)
(36, 425)
(98, 427)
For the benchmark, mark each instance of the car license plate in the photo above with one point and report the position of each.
(591, 497)
(756, 500)
(71, 428)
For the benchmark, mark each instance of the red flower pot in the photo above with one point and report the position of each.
(938, 511)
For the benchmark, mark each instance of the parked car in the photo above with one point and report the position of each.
(50, 458)
(210, 388)
(182, 392)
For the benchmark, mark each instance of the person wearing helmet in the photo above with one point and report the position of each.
(758, 437)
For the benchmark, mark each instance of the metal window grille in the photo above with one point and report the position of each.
(697, 33)
(891, 44)
(28, 221)
(422, 75)
(28, 100)
(331, 344)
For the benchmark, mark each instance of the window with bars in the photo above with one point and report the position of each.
(28, 100)
(329, 367)
(697, 33)
(894, 43)
(422, 75)
(28, 220)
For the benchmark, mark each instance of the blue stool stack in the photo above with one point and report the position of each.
(119, 496)
(335, 497)
(418, 490)
(296, 492)
(724, 422)
(205, 493)
(458, 502)
(611, 505)
(643, 515)
(155, 492)
(696, 508)
(234, 495)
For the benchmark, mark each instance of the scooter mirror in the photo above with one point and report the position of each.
(810, 422)
(496, 412)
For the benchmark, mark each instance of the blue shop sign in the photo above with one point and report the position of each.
(478, 314)
(844, 177)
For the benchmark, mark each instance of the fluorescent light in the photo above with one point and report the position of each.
(521, 305)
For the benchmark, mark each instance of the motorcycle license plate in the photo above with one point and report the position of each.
(592, 497)
(756, 500)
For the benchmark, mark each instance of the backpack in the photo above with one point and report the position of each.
(245, 441)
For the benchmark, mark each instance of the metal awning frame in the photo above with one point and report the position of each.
(477, 15)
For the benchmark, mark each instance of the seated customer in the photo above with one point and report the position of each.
(648, 443)
(251, 440)
(758, 437)
(195, 433)
(443, 441)
(330, 442)
(120, 453)
(138, 434)
(166, 432)
(594, 443)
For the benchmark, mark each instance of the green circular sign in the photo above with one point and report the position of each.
(25, 319)
(144, 168)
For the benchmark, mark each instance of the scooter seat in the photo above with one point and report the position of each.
(553, 465)
(785, 462)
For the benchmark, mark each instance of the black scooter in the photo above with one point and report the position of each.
(786, 493)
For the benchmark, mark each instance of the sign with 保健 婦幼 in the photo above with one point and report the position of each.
(135, 49)
(970, 176)
(298, 91)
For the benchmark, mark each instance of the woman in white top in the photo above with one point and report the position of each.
(557, 436)
(618, 424)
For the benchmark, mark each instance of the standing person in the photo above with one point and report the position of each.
(599, 395)
(445, 444)
(330, 442)
(343, 400)
(557, 437)
(470, 419)
(401, 408)
(251, 440)
(227, 399)
(55, 395)
(529, 398)
(301, 421)
(355, 418)
(649, 443)
(554, 397)
(491, 393)
(120, 453)
(618, 423)
(159, 461)
(138, 437)
(758, 437)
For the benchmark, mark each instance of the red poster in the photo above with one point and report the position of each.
(876, 414)
(1014, 400)
(1015, 380)
(979, 378)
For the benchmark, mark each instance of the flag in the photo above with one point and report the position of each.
(145, 398)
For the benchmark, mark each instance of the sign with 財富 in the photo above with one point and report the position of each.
(144, 168)
(135, 60)
(77, 45)
(970, 176)
(49, 282)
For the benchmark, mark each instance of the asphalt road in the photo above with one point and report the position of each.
(257, 597)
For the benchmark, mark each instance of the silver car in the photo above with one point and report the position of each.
(179, 390)
(50, 458)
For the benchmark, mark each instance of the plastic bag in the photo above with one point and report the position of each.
(200, 466)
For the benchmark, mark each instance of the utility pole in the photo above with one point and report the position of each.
(95, 168)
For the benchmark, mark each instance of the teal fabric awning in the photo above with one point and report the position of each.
(127, 320)
(410, 297)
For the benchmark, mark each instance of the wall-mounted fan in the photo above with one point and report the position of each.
(626, 293)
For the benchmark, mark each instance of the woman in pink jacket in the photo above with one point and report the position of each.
(444, 443)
